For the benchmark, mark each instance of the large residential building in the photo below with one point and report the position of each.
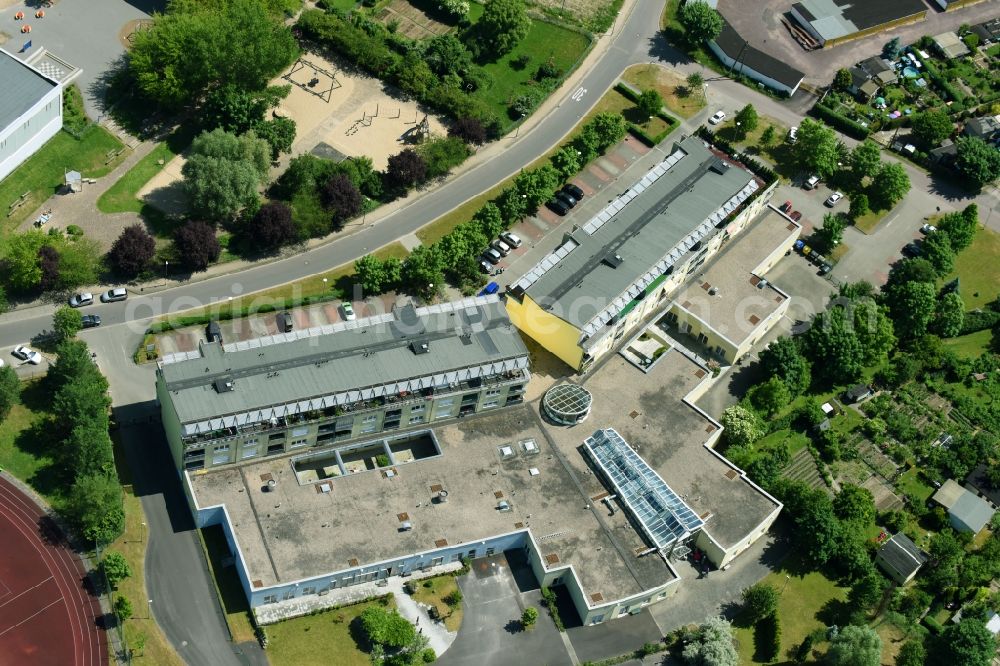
(322, 386)
(608, 276)
(30, 106)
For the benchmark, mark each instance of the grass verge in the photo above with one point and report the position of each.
(867, 222)
(972, 345)
(978, 269)
(323, 638)
(668, 83)
(121, 197)
(17, 456)
(237, 611)
(42, 174)
(433, 592)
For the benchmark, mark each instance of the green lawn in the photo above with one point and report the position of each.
(972, 345)
(909, 482)
(809, 601)
(42, 175)
(324, 638)
(791, 439)
(668, 83)
(544, 42)
(432, 591)
(17, 455)
(978, 269)
(121, 197)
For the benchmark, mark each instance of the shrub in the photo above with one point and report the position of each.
(442, 154)
(115, 568)
(529, 617)
(271, 227)
(132, 251)
(406, 169)
(341, 197)
(122, 608)
(470, 130)
(767, 638)
(841, 122)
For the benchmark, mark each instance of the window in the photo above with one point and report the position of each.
(492, 392)
(271, 599)
(370, 427)
(296, 443)
(220, 455)
(298, 432)
(250, 442)
(289, 593)
(219, 448)
(249, 451)
(417, 409)
(702, 338)
(490, 403)
(456, 557)
(371, 418)
(416, 418)
(308, 590)
(490, 551)
(446, 402)
(437, 561)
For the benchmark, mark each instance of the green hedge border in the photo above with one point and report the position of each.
(650, 140)
(840, 122)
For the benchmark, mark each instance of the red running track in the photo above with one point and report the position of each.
(47, 616)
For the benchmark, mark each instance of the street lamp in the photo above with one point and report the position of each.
(142, 533)
(166, 264)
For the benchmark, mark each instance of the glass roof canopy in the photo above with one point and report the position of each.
(662, 514)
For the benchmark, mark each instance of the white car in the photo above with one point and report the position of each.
(80, 300)
(348, 310)
(512, 239)
(793, 135)
(832, 200)
(928, 229)
(718, 117)
(27, 355)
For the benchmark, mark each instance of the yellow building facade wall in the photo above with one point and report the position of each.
(556, 335)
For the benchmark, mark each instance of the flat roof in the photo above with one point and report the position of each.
(220, 386)
(22, 86)
(839, 18)
(733, 45)
(296, 532)
(728, 296)
(649, 412)
(607, 262)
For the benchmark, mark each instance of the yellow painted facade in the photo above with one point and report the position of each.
(554, 334)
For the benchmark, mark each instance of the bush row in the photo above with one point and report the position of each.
(649, 140)
(760, 170)
(979, 320)
(840, 122)
(183, 321)
(549, 599)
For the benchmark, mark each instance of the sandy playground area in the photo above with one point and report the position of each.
(351, 114)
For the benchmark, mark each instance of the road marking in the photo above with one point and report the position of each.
(578, 94)
(891, 220)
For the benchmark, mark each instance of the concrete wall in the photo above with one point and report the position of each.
(171, 424)
(23, 137)
(743, 69)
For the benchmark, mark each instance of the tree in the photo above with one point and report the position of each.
(115, 568)
(978, 161)
(406, 168)
(874, 330)
(238, 110)
(529, 617)
(842, 79)
(446, 54)
(341, 196)
(386, 627)
(816, 148)
(949, 316)
(833, 346)
(422, 271)
(122, 608)
(223, 171)
(21, 261)
(867, 590)
(859, 206)
(855, 646)
(95, 508)
(930, 128)
(767, 136)
(278, 133)
(503, 24)
(67, 322)
(912, 306)
(566, 160)
(701, 22)
(537, 185)
(132, 251)
(855, 504)
(742, 427)
(782, 359)
(609, 129)
(375, 275)
(271, 227)
(760, 601)
(960, 227)
(891, 49)
(865, 160)
(470, 130)
(48, 262)
(968, 643)
(889, 185)
(10, 390)
(936, 249)
(196, 46)
(914, 269)
(650, 103)
(196, 244)
(441, 154)
(770, 397)
(695, 80)
(746, 120)
(816, 528)
(489, 220)
(831, 233)
(911, 654)
(712, 644)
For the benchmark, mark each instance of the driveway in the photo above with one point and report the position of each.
(491, 632)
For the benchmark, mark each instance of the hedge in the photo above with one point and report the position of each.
(979, 320)
(933, 624)
(767, 638)
(840, 122)
(183, 321)
(549, 598)
(651, 140)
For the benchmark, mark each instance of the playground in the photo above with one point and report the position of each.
(342, 113)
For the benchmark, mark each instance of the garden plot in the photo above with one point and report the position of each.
(411, 21)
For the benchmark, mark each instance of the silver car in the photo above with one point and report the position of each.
(112, 295)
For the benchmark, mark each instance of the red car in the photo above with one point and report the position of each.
(795, 215)
(785, 207)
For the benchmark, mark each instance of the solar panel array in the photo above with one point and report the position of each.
(663, 515)
(660, 267)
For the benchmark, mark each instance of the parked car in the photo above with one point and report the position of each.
(911, 249)
(811, 182)
(285, 322)
(717, 117)
(90, 321)
(113, 295)
(490, 288)
(795, 215)
(825, 268)
(27, 355)
(213, 332)
(557, 206)
(347, 310)
(80, 300)
(793, 135)
(832, 200)
(511, 239)
(574, 190)
(928, 229)
(492, 256)
(501, 247)
(566, 198)
(485, 266)
(785, 207)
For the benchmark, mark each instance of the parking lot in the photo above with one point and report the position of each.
(23, 368)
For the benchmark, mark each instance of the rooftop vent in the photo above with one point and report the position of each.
(714, 291)
(419, 347)
(223, 385)
(614, 260)
(719, 166)
(405, 526)
(503, 506)
(762, 283)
